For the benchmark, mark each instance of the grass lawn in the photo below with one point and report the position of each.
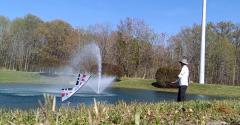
(162, 113)
(19, 77)
(206, 89)
(28, 77)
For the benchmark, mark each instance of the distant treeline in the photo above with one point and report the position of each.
(31, 44)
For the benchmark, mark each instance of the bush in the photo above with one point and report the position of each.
(109, 70)
(165, 76)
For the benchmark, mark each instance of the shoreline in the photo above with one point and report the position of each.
(14, 77)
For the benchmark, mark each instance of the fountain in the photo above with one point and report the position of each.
(81, 60)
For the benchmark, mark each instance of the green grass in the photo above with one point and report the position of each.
(206, 89)
(28, 77)
(19, 77)
(162, 113)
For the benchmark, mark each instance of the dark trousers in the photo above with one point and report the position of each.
(181, 93)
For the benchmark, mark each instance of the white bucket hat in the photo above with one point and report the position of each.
(184, 61)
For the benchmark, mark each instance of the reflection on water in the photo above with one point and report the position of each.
(27, 95)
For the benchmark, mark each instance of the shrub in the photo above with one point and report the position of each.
(165, 76)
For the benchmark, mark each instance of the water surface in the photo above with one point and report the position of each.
(26, 96)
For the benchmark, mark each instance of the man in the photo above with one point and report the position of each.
(182, 80)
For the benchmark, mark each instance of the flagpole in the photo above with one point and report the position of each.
(202, 57)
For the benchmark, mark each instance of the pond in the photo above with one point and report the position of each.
(26, 96)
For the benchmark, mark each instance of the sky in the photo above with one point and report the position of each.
(168, 16)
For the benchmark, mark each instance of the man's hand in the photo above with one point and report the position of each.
(175, 81)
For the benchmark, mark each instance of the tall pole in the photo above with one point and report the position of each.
(202, 60)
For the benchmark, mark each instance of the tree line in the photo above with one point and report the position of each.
(31, 44)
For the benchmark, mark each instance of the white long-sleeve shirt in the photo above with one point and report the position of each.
(183, 76)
